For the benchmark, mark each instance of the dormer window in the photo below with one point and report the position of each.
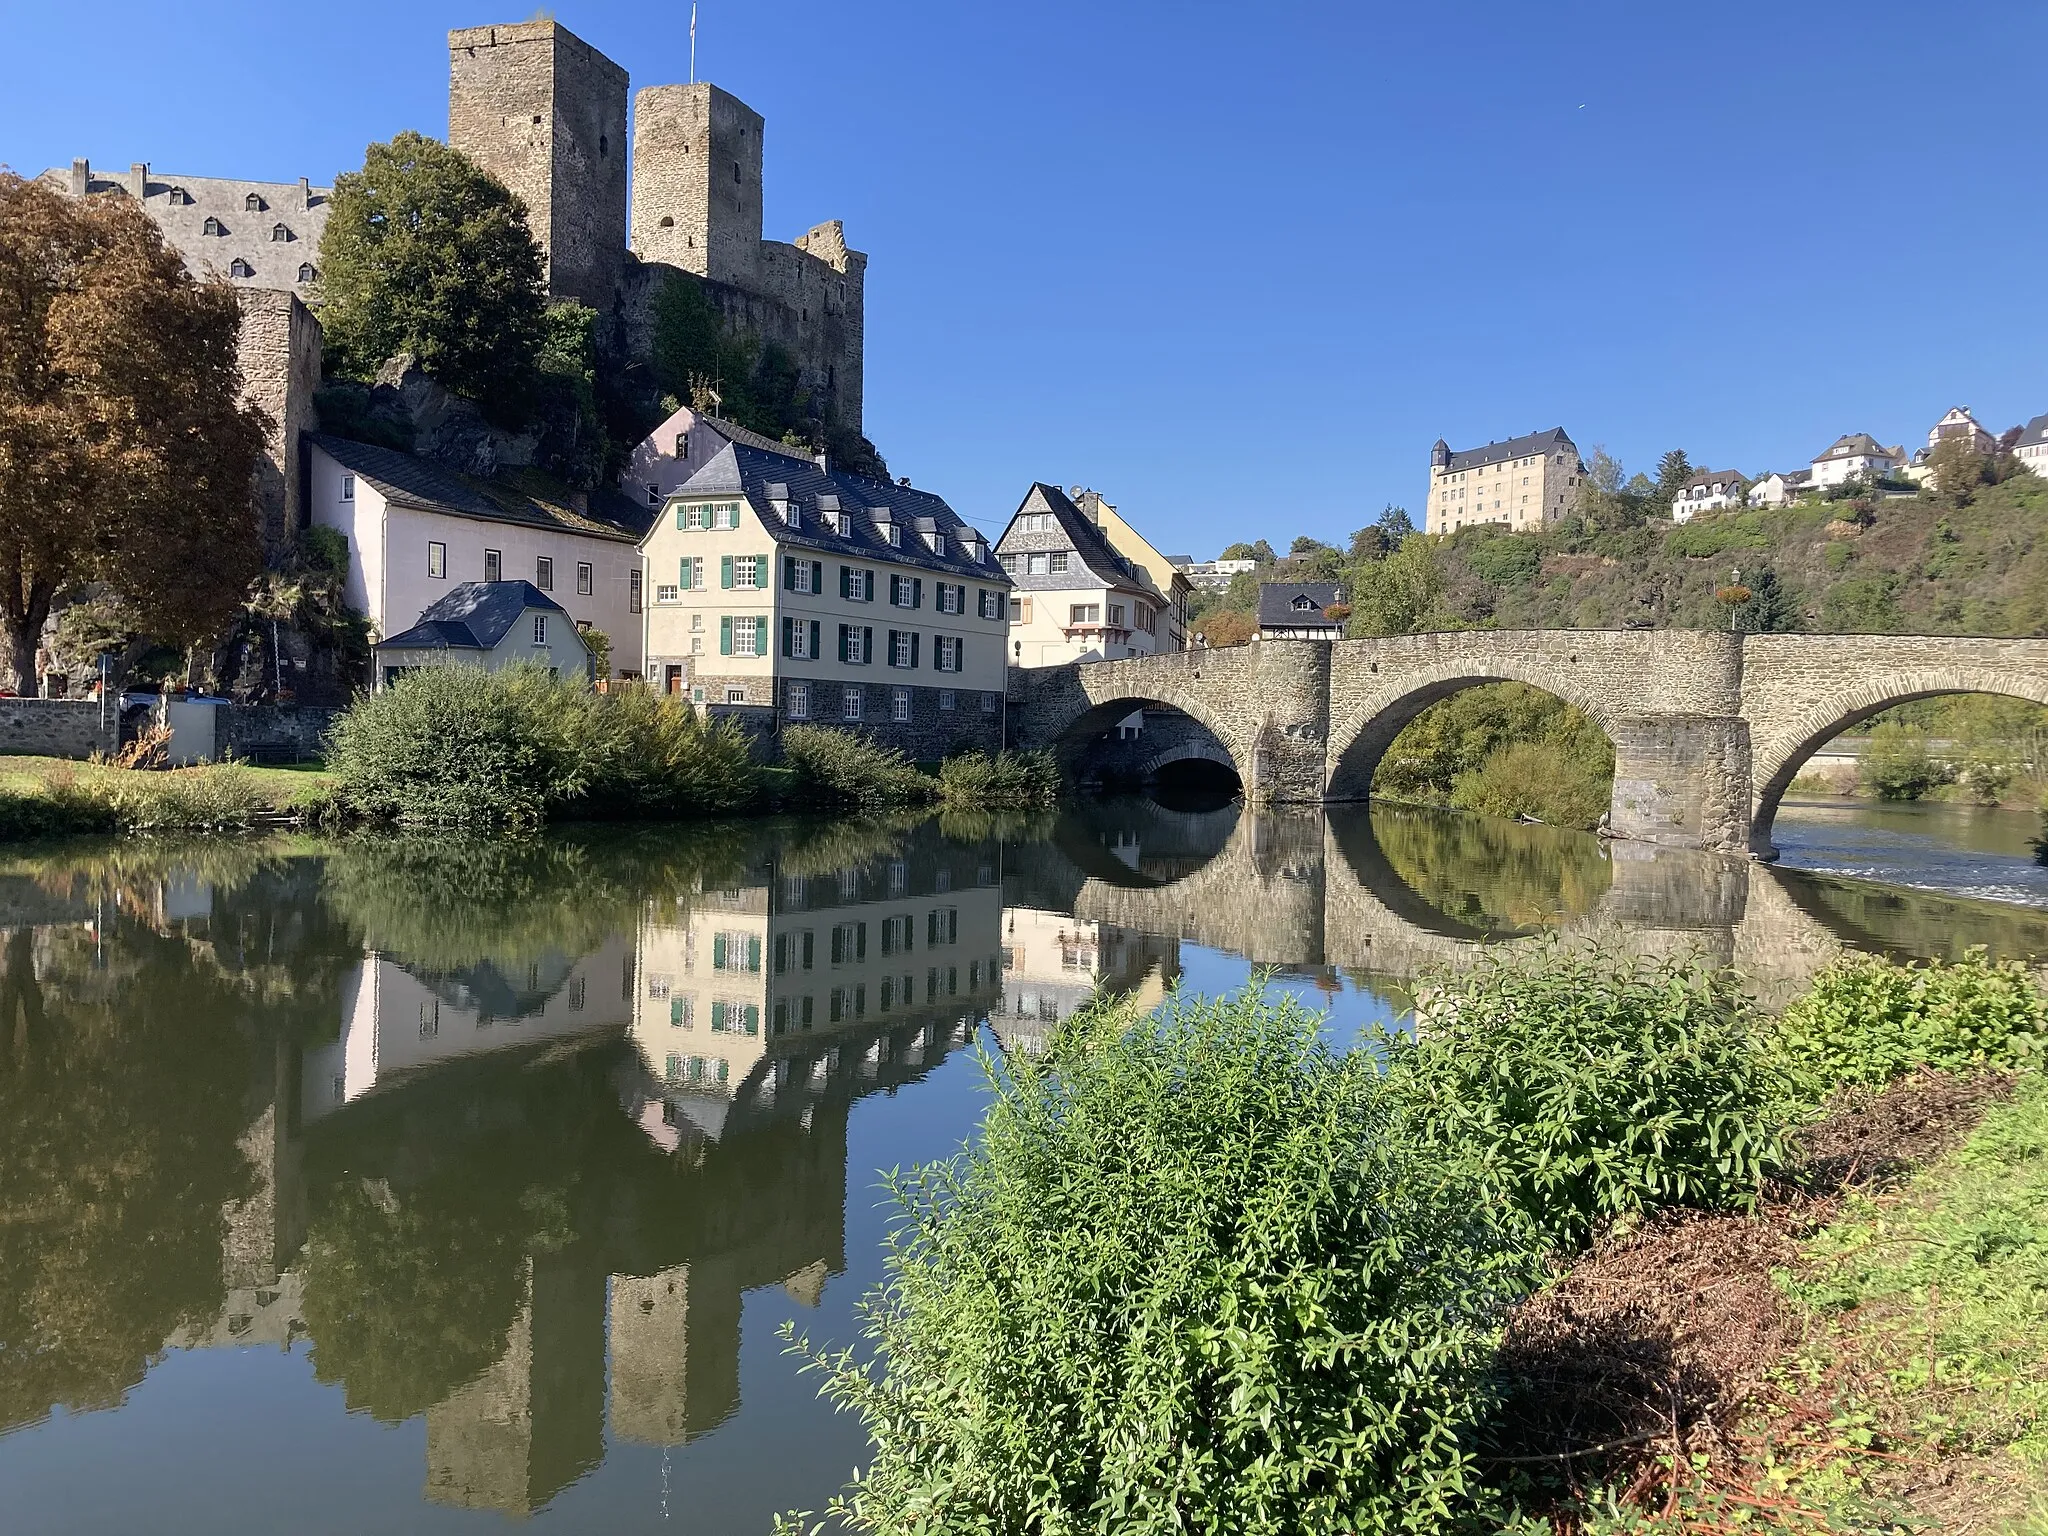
(894, 535)
(240, 268)
(253, 203)
(279, 234)
(181, 197)
(212, 226)
(308, 273)
(654, 495)
(1303, 603)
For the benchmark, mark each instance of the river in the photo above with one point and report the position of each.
(396, 1186)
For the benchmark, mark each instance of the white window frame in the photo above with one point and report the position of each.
(900, 648)
(585, 579)
(746, 635)
(945, 698)
(735, 693)
(635, 601)
(899, 705)
(348, 487)
(746, 572)
(494, 565)
(437, 560)
(799, 701)
(544, 572)
(852, 703)
(540, 629)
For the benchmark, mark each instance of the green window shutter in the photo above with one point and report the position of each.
(717, 1017)
(914, 639)
(753, 1018)
(761, 621)
(753, 952)
(917, 591)
(703, 517)
(846, 582)
(682, 518)
(867, 643)
(675, 1011)
(818, 577)
(725, 571)
(725, 636)
(845, 633)
(931, 928)
(788, 576)
(789, 637)
(838, 946)
(814, 639)
(860, 941)
(683, 574)
(959, 655)
(761, 573)
(718, 951)
(891, 657)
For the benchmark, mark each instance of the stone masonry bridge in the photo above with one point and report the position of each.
(1708, 729)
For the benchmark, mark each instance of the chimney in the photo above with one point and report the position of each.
(81, 177)
(305, 194)
(818, 459)
(138, 179)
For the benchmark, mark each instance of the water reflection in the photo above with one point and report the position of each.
(497, 1138)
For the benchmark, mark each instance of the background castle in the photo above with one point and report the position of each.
(545, 113)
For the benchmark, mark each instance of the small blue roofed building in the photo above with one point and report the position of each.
(489, 624)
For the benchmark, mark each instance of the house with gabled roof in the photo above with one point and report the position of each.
(1854, 456)
(799, 593)
(1301, 610)
(1709, 490)
(1524, 484)
(488, 624)
(417, 530)
(1075, 597)
(2032, 447)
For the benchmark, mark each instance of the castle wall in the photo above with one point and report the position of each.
(279, 355)
(545, 113)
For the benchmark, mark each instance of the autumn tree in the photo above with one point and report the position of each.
(427, 253)
(1958, 468)
(126, 455)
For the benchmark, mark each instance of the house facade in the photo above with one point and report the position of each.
(819, 597)
(1167, 573)
(416, 531)
(1300, 610)
(1216, 575)
(2032, 448)
(1855, 456)
(488, 624)
(1525, 483)
(1957, 422)
(1709, 490)
(1780, 489)
(1074, 598)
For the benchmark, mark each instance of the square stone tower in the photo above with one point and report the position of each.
(545, 113)
(697, 182)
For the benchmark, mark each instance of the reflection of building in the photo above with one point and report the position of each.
(1053, 963)
(395, 1017)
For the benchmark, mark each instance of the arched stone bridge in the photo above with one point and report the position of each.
(1708, 729)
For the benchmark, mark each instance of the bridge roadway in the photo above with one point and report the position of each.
(1293, 887)
(1708, 729)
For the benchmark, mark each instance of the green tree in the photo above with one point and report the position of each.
(1398, 595)
(426, 253)
(1958, 469)
(1673, 470)
(1899, 765)
(126, 454)
(1304, 545)
(1771, 608)
(1394, 522)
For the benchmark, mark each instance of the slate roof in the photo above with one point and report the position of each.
(415, 482)
(1514, 448)
(1077, 533)
(733, 432)
(2035, 431)
(1853, 445)
(763, 476)
(474, 616)
(1277, 610)
(1706, 477)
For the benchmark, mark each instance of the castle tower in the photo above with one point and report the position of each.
(697, 182)
(545, 113)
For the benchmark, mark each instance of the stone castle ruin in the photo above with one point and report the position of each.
(546, 114)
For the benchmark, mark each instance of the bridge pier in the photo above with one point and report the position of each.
(1681, 781)
(1288, 705)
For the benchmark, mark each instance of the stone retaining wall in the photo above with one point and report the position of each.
(273, 732)
(56, 728)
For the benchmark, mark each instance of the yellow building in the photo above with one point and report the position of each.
(1164, 572)
(1524, 484)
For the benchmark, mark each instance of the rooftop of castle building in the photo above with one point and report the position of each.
(1535, 444)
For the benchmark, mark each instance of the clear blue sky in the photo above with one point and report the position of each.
(1237, 266)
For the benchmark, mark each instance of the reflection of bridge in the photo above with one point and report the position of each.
(1305, 888)
(1708, 729)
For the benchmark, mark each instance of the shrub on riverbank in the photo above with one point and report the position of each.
(1588, 1087)
(841, 768)
(92, 799)
(459, 746)
(1188, 1279)
(1868, 1020)
(1007, 781)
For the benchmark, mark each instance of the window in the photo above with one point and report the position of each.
(801, 573)
(308, 273)
(1084, 613)
(991, 604)
(583, 581)
(1116, 614)
(989, 701)
(668, 594)
(849, 943)
(942, 926)
(854, 643)
(633, 591)
(212, 227)
(544, 573)
(849, 703)
(240, 268)
(253, 203)
(540, 629)
(899, 705)
(494, 565)
(1020, 610)
(906, 591)
(952, 599)
(945, 698)
(896, 934)
(746, 635)
(279, 234)
(799, 701)
(1008, 563)
(690, 573)
(1036, 565)
(856, 586)
(348, 487)
(1059, 561)
(946, 653)
(736, 695)
(902, 648)
(747, 572)
(437, 559)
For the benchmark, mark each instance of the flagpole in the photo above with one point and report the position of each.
(693, 42)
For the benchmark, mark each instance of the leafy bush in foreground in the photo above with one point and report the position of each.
(1868, 1020)
(459, 746)
(842, 768)
(1587, 1086)
(1007, 781)
(1186, 1281)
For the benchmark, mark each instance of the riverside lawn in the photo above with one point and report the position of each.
(1202, 1272)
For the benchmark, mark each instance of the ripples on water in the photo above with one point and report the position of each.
(373, 1186)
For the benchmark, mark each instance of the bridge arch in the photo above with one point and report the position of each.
(1779, 751)
(1359, 743)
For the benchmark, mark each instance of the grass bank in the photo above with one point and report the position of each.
(48, 797)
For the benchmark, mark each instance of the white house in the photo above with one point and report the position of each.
(488, 624)
(416, 531)
(1960, 423)
(1709, 490)
(1776, 489)
(2032, 448)
(1076, 597)
(1856, 456)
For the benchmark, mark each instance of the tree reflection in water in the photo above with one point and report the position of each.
(1498, 877)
